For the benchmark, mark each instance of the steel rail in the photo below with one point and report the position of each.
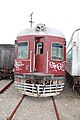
(6, 87)
(15, 109)
(56, 111)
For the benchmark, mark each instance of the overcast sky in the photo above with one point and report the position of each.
(63, 15)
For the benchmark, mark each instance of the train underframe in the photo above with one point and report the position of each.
(6, 73)
(73, 80)
(39, 85)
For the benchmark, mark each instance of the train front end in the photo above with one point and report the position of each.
(39, 64)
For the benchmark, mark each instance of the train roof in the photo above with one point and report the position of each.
(7, 45)
(45, 31)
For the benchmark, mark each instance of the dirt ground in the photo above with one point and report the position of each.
(68, 103)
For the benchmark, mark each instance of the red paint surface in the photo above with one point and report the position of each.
(40, 60)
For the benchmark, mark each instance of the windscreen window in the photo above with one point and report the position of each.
(22, 50)
(57, 51)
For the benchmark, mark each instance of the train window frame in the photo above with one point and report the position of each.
(57, 59)
(27, 49)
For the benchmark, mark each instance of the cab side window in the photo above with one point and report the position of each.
(22, 50)
(56, 51)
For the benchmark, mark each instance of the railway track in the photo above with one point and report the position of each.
(15, 109)
(7, 96)
(6, 86)
(8, 100)
(56, 110)
(14, 114)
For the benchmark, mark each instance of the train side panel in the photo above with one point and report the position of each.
(6, 60)
(72, 62)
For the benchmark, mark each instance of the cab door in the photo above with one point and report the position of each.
(39, 54)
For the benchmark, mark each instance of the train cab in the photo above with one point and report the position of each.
(40, 60)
